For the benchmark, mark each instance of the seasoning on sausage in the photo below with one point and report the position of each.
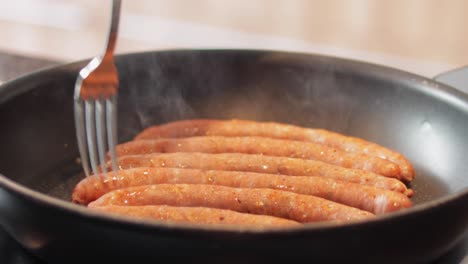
(261, 164)
(368, 198)
(298, 207)
(264, 146)
(231, 128)
(198, 215)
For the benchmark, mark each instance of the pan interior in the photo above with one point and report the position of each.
(388, 107)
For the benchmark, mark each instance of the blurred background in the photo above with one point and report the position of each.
(421, 36)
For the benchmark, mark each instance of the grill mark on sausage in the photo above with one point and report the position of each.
(298, 207)
(205, 127)
(368, 198)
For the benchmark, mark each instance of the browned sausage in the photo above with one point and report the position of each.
(190, 128)
(261, 164)
(198, 215)
(368, 198)
(298, 207)
(265, 146)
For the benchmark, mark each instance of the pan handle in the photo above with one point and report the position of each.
(457, 78)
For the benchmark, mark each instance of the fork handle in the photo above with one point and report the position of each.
(114, 25)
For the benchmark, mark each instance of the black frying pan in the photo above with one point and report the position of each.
(421, 118)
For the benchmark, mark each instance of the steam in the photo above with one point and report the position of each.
(190, 84)
(381, 203)
(323, 100)
(150, 96)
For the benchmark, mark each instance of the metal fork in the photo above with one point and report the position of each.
(95, 107)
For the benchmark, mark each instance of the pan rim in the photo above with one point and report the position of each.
(446, 93)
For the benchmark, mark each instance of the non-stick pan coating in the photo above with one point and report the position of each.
(424, 120)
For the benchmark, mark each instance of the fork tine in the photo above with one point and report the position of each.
(81, 135)
(96, 88)
(101, 133)
(111, 118)
(91, 134)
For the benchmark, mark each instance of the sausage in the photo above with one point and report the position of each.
(198, 215)
(232, 128)
(261, 164)
(368, 198)
(283, 204)
(265, 146)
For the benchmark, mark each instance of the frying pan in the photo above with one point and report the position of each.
(421, 118)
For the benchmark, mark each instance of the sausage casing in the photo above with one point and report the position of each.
(368, 198)
(264, 146)
(198, 215)
(235, 128)
(283, 204)
(261, 164)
